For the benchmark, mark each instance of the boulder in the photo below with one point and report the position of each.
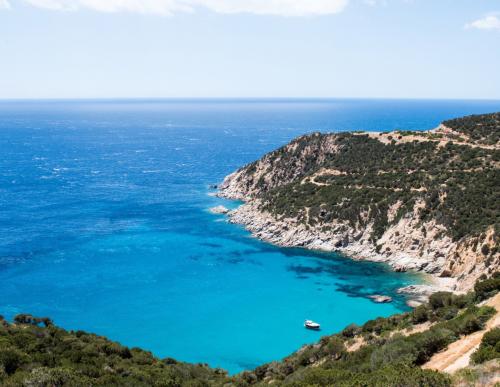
(219, 210)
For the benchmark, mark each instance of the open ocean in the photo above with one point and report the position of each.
(104, 224)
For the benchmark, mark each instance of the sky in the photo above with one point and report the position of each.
(250, 48)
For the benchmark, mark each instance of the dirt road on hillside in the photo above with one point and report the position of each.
(457, 355)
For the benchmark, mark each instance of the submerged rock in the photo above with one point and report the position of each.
(380, 298)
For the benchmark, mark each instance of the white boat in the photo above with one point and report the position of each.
(309, 324)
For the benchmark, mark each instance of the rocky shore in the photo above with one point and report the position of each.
(342, 239)
(403, 199)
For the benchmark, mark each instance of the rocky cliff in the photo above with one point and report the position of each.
(425, 201)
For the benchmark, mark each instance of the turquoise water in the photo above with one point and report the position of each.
(104, 224)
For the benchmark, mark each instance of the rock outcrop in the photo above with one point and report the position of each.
(219, 210)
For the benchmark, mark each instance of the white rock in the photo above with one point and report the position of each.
(380, 298)
(219, 210)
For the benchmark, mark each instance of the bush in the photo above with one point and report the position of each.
(54, 377)
(489, 348)
(432, 341)
(381, 324)
(335, 347)
(420, 314)
(400, 350)
(29, 319)
(351, 331)
(487, 288)
(447, 313)
(11, 359)
(388, 376)
(492, 337)
(471, 320)
(463, 300)
(441, 300)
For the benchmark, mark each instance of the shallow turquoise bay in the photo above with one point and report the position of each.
(104, 225)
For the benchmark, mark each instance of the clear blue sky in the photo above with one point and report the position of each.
(250, 48)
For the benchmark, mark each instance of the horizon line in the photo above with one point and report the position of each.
(240, 98)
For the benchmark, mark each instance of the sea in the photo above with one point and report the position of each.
(105, 224)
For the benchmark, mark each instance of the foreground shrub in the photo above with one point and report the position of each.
(36, 354)
(489, 348)
(471, 320)
(420, 314)
(351, 330)
(487, 288)
(11, 359)
(440, 300)
(391, 376)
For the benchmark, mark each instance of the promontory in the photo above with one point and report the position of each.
(417, 200)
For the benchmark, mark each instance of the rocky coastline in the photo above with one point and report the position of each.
(407, 241)
(287, 233)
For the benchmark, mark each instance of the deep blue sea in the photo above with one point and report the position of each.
(104, 224)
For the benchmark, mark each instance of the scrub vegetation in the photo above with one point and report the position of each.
(34, 352)
(457, 182)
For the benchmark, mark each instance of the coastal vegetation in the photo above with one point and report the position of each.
(482, 129)
(356, 178)
(490, 347)
(36, 353)
(458, 184)
(381, 352)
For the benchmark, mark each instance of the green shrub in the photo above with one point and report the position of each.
(471, 320)
(487, 288)
(441, 299)
(463, 300)
(420, 314)
(447, 313)
(389, 376)
(335, 347)
(11, 359)
(492, 337)
(397, 350)
(489, 348)
(351, 330)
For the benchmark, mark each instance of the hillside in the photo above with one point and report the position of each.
(36, 353)
(426, 201)
(401, 350)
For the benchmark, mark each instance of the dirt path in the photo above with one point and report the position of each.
(447, 135)
(457, 355)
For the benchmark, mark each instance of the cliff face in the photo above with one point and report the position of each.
(426, 201)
